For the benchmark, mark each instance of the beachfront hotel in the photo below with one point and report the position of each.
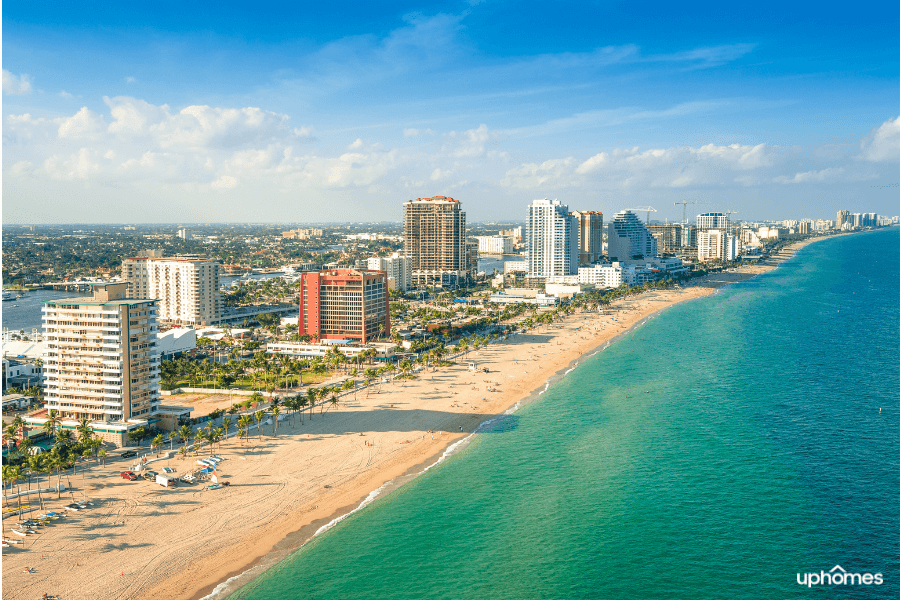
(552, 240)
(344, 304)
(435, 239)
(187, 287)
(629, 239)
(101, 362)
(590, 235)
(711, 245)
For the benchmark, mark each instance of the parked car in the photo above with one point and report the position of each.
(150, 475)
(129, 475)
(129, 454)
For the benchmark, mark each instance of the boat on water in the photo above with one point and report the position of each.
(9, 296)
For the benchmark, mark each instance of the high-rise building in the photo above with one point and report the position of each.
(843, 216)
(804, 227)
(344, 304)
(711, 245)
(713, 220)
(471, 258)
(628, 239)
(552, 235)
(435, 239)
(668, 237)
(590, 235)
(398, 269)
(184, 234)
(187, 287)
(101, 362)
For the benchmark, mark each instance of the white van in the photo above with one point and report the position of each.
(166, 481)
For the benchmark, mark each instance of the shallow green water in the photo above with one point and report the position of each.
(718, 451)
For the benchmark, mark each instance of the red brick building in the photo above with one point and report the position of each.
(344, 304)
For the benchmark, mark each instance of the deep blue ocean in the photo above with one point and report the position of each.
(721, 449)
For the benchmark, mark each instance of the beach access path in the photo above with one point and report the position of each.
(141, 540)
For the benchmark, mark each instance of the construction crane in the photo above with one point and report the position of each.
(729, 213)
(649, 210)
(684, 204)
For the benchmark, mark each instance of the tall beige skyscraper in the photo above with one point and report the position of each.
(187, 287)
(590, 235)
(435, 240)
(101, 362)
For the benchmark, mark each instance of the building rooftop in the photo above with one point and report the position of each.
(435, 199)
(88, 300)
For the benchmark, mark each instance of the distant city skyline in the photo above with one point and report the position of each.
(337, 114)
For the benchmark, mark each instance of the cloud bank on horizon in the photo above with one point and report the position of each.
(355, 125)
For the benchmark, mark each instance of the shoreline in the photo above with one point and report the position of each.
(232, 561)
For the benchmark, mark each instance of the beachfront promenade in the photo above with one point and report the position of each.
(141, 540)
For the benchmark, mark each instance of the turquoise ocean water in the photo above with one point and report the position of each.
(722, 448)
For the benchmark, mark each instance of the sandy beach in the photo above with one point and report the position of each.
(141, 540)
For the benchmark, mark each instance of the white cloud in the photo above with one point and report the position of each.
(130, 79)
(81, 165)
(827, 175)
(884, 143)
(16, 86)
(84, 125)
(132, 116)
(656, 167)
(471, 143)
(66, 95)
(21, 168)
(417, 132)
(225, 182)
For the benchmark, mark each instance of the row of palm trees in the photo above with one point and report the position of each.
(264, 371)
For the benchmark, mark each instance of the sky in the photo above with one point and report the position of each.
(316, 112)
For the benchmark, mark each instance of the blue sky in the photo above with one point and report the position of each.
(271, 112)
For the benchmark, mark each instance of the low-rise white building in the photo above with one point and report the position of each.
(383, 350)
(539, 299)
(176, 341)
(494, 244)
(515, 266)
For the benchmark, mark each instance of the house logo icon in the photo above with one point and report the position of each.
(838, 575)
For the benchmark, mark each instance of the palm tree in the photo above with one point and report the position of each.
(258, 415)
(311, 394)
(185, 433)
(157, 443)
(226, 425)
(172, 436)
(243, 425)
(302, 401)
(276, 410)
(199, 438)
(102, 455)
(51, 424)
